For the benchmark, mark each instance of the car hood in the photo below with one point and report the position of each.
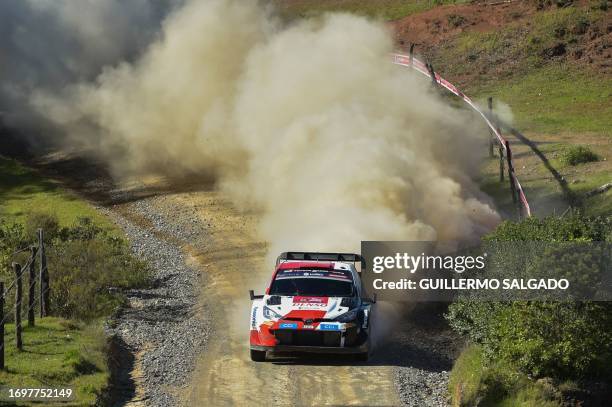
(303, 307)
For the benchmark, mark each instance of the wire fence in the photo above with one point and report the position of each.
(41, 298)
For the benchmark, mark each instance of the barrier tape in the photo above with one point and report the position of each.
(414, 63)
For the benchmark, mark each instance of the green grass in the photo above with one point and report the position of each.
(474, 382)
(579, 155)
(22, 192)
(546, 94)
(564, 100)
(556, 99)
(544, 193)
(499, 191)
(520, 46)
(383, 9)
(57, 353)
(467, 375)
(600, 204)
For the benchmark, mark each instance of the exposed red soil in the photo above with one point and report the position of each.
(437, 28)
(441, 24)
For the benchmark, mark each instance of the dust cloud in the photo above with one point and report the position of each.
(46, 45)
(310, 124)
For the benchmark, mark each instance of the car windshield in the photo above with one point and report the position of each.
(312, 287)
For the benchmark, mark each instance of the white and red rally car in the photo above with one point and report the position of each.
(314, 303)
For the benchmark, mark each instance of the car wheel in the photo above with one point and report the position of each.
(258, 355)
(362, 357)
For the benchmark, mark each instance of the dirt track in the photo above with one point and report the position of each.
(410, 368)
(232, 260)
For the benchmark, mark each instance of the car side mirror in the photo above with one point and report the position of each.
(253, 296)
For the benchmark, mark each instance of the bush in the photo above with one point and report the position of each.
(542, 339)
(574, 227)
(473, 382)
(603, 5)
(552, 338)
(88, 268)
(466, 378)
(47, 222)
(456, 20)
(579, 155)
(86, 276)
(12, 237)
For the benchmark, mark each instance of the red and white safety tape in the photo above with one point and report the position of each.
(414, 63)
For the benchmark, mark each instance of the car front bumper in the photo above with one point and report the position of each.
(363, 348)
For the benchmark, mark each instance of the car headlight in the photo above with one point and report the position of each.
(270, 314)
(347, 316)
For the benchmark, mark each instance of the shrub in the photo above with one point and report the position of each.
(456, 20)
(466, 378)
(546, 338)
(12, 237)
(473, 382)
(88, 268)
(39, 220)
(603, 5)
(83, 272)
(579, 155)
(581, 25)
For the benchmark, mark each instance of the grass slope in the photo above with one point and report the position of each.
(23, 192)
(383, 9)
(546, 64)
(472, 382)
(555, 99)
(57, 353)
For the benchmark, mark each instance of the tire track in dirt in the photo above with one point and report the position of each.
(233, 260)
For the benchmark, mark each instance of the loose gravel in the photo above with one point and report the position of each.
(162, 324)
(419, 387)
(423, 350)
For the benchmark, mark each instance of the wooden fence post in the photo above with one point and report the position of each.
(411, 54)
(510, 171)
(1, 325)
(491, 135)
(18, 298)
(32, 286)
(44, 277)
(433, 74)
(501, 163)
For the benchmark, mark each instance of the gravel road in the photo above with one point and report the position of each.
(200, 251)
(426, 348)
(163, 327)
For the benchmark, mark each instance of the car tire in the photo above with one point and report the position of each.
(258, 355)
(362, 357)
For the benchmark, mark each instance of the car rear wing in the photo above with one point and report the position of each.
(316, 256)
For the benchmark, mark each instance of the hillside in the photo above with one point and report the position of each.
(549, 63)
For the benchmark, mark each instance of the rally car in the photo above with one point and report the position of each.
(314, 303)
